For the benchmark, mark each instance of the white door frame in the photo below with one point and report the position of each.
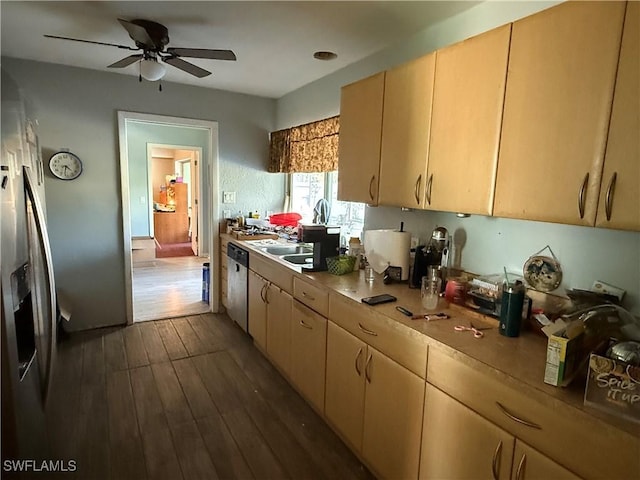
(212, 199)
(198, 150)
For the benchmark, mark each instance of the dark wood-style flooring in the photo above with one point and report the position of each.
(187, 398)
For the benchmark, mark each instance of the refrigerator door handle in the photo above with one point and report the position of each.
(43, 239)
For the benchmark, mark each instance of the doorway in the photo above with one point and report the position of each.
(174, 173)
(198, 140)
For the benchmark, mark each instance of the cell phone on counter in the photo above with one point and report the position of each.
(378, 299)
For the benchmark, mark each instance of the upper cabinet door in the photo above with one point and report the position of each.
(559, 91)
(465, 128)
(406, 121)
(619, 205)
(359, 147)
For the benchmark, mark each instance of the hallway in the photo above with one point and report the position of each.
(185, 398)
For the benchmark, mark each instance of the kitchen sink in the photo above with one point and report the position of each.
(288, 249)
(299, 258)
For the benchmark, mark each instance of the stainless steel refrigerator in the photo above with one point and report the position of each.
(28, 303)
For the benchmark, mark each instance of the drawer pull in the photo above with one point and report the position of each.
(429, 186)
(367, 371)
(581, 196)
(495, 465)
(266, 292)
(516, 419)
(357, 363)
(305, 325)
(306, 295)
(608, 204)
(373, 177)
(368, 332)
(521, 466)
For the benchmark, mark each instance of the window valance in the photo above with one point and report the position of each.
(312, 147)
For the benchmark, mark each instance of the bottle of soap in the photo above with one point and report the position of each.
(355, 250)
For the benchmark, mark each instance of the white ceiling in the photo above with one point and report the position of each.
(274, 41)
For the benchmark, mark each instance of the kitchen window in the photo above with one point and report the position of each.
(306, 189)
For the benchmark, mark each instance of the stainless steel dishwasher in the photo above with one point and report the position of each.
(237, 286)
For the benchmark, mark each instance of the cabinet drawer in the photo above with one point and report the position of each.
(402, 344)
(573, 438)
(276, 274)
(314, 297)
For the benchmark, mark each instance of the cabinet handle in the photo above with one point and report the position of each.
(262, 293)
(306, 295)
(516, 419)
(367, 373)
(368, 332)
(610, 189)
(357, 364)
(305, 325)
(416, 192)
(495, 465)
(373, 177)
(266, 292)
(429, 185)
(521, 465)
(581, 196)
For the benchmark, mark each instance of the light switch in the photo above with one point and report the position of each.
(143, 200)
(229, 197)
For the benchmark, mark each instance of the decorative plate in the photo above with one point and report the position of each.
(543, 273)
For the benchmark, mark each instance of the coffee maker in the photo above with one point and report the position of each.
(326, 242)
(434, 254)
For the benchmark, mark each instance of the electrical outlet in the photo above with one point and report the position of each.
(601, 287)
(229, 197)
(226, 213)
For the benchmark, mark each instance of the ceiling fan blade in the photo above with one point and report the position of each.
(126, 61)
(124, 47)
(187, 67)
(202, 53)
(137, 33)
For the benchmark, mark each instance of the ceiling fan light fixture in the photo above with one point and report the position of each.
(325, 55)
(151, 69)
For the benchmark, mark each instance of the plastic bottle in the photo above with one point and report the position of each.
(355, 250)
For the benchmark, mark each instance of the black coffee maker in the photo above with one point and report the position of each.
(435, 253)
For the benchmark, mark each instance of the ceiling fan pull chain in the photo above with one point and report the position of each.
(160, 86)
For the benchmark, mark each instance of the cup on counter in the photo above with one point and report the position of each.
(430, 291)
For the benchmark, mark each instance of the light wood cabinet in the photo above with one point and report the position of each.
(257, 309)
(619, 205)
(279, 317)
(360, 132)
(529, 464)
(344, 395)
(560, 81)
(406, 122)
(392, 417)
(459, 443)
(223, 270)
(374, 403)
(467, 117)
(309, 353)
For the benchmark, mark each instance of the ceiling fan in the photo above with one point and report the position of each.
(152, 38)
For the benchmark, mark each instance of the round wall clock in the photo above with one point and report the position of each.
(65, 165)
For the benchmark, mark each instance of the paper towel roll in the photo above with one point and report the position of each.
(385, 248)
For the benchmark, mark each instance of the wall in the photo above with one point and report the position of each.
(160, 168)
(586, 254)
(77, 109)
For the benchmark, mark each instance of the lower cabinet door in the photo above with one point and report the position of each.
(529, 464)
(257, 310)
(458, 443)
(279, 314)
(344, 388)
(309, 353)
(394, 399)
